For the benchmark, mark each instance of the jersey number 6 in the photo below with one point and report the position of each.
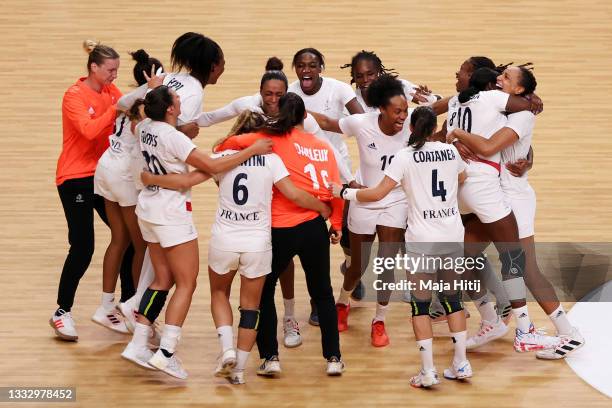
(241, 192)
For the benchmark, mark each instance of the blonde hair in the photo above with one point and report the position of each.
(248, 121)
(98, 53)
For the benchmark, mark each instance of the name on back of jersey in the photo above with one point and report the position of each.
(317, 155)
(433, 156)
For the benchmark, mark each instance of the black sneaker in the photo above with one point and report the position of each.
(359, 292)
(314, 316)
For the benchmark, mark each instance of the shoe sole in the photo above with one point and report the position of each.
(138, 363)
(292, 345)
(226, 369)
(110, 327)
(61, 335)
(171, 374)
(335, 374)
(499, 336)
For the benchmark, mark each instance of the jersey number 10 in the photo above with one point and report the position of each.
(464, 119)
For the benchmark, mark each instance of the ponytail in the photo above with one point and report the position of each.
(133, 113)
(274, 70)
(423, 122)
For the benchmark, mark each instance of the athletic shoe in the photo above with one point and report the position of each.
(270, 367)
(111, 319)
(236, 377)
(171, 366)
(64, 326)
(313, 319)
(292, 333)
(488, 332)
(359, 292)
(534, 340)
(379, 334)
(425, 379)
(227, 362)
(343, 312)
(138, 355)
(458, 371)
(129, 315)
(569, 343)
(335, 366)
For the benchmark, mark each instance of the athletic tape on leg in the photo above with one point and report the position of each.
(152, 303)
(249, 319)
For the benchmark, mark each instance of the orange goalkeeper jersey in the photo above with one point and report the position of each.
(312, 166)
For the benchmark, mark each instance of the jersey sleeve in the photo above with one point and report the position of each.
(522, 123)
(77, 112)
(345, 92)
(180, 146)
(277, 167)
(395, 170)
(191, 107)
(229, 111)
(350, 125)
(497, 99)
(237, 142)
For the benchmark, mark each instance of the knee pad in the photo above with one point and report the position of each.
(249, 319)
(152, 303)
(452, 303)
(419, 307)
(513, 264)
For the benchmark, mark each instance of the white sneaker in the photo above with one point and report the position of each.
(488, 332)
(569, 344)
(425, 379)
(458, 371)
(64, 326)
(171, 366)
(269, 367)
(534, 340)
(138, 355)
(236, 377)
(227, 362)
(129, 314)
(335, 366)
(111, 319)
(292, 333)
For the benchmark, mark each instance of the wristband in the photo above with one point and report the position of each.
(350, 194)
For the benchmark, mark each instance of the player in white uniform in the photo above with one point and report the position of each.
(514, 141)
(204, 62)
(114, 181)
(380, 135)
(429, 173)
(479, 109)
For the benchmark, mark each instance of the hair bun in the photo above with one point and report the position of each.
(274, 64)
(140, 56)
(89, 45)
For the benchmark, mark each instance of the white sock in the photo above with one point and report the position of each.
(486, 309)
(559, 319)
(289, 307)
(426, 352)
(459, 340)
(343, 298)
(381, 311)
(241, 359)
(147, 274)
(523, 322)
(108, 301)
(141, 334)
(170, 338)
(226, 337)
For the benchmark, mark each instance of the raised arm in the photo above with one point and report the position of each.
(326, 123)
(441, 106)
(209, 165)
(229, 111)
(353, 106)
(302, 198)
(486, 147)
(153, 81)
(180, 182)
(518, 103)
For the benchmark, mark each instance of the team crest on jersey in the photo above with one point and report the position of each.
(373, 146)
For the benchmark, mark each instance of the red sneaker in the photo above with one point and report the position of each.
(343, 312)
(379, 334)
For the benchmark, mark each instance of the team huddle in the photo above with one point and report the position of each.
(283, 172)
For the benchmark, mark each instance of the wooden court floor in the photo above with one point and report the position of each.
(569, 42)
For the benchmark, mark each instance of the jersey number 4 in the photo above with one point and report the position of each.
(241, 192)
(437, 188)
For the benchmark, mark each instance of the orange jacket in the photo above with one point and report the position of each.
(311, 165)
(87, 120)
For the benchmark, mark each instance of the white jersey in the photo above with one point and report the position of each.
(409, 91)
(118, 156)
(481, 115)
(429, 177)
(243, 220)
(330, 101)
(376, 152)
(254, 104)
(165, 150)
(191, 93)
(522, 123)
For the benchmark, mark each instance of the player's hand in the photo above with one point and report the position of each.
(354, 184)
(537, 106)
(325, 212)
(421, 94)
(262, 146)
(466, 154)
(154, 79)
(191, 129)
(146, 177)
(334, 235)
(335, 189)
(519, 167)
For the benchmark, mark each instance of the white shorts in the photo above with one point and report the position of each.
(364, 220)
(523, 206)
(248, 264)
(483, 196)
(167, 235)
(112, 184)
